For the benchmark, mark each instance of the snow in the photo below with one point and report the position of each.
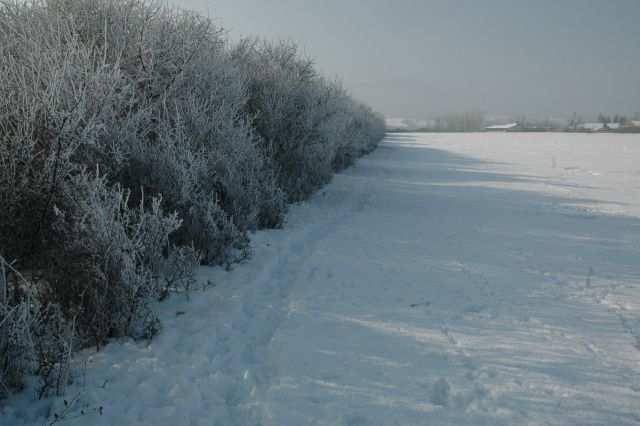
(502, 126)
(446, 279)
(596, 127)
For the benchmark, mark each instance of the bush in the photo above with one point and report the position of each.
(34, 337)
(308, 125)
(135, 143)
(106, 257)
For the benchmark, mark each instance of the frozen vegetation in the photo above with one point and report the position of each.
(136, 143)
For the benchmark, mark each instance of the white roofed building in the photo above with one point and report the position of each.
(598, 127)
(503, 127)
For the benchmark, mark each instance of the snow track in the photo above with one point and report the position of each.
(483, 279)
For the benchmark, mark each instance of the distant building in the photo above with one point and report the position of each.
(503, 127)
(630, 126)
(598, 127)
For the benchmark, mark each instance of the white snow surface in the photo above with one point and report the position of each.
(445, 279)
(502, 126)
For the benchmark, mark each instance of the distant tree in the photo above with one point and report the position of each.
(575, 121)
(605, 119)
(523, 122)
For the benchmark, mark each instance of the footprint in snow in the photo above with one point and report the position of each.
(475, 308)
(356, 420)
(440, 393)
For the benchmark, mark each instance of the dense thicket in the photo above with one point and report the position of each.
(135, 143)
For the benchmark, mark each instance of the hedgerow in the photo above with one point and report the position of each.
(136, 142)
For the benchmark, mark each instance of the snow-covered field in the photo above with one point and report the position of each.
(449, 279)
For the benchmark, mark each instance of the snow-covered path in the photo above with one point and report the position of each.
(443, 280)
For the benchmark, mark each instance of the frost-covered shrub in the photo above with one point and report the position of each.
(213, 173)
(34, 336)
(304, 120)
(281, 105)
(106, 256)
(37, 122)
(361, 134)
(190, 142)
(17, 346)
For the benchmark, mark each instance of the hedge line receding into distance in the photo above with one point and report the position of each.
(137, 142)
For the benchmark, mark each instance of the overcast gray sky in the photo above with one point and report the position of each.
(419, 58)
